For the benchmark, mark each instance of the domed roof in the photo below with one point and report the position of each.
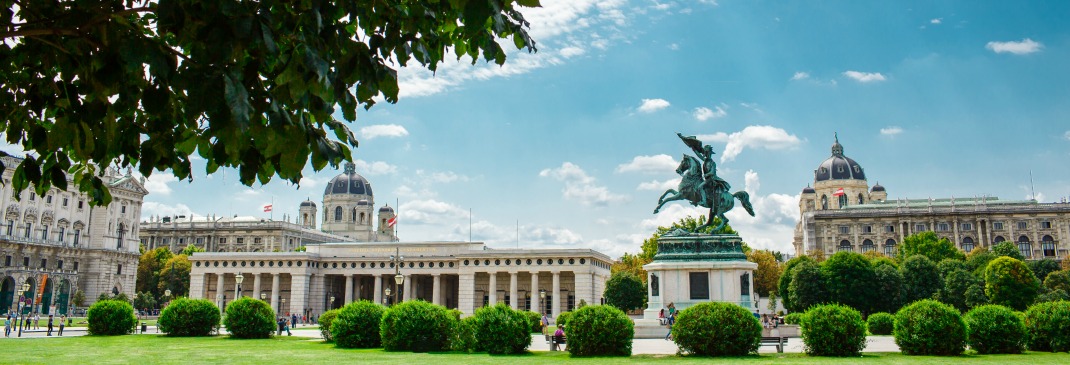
(349, 182)
(839, 167)
(308, 203)
(877, 187)
(386, 208)
(809, 190)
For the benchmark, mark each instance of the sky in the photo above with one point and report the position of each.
(571, 146)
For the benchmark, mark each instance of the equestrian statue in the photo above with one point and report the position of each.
(700, 185)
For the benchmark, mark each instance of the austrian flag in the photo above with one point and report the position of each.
(838, 192)
(392, 222)
(267, 208)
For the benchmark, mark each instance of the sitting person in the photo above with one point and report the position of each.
(559, 338)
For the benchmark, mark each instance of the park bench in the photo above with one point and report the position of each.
(554, 341)
(777, 341)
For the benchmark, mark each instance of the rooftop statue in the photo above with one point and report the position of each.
(700, 185)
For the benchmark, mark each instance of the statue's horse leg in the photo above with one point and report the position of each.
(662, 200)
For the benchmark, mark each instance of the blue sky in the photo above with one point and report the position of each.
(572, 146)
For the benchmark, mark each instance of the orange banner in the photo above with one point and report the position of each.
(41, 288)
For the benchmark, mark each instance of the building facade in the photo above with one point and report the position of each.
(59, 244)
(460, 275)
(842, 213)
(234, 234)
(349, 209)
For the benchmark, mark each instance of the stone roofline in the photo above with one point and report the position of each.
(963, 209)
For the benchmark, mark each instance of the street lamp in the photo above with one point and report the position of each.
(542, 300)
(283, 304)
(399, 279)
(387, 292)
(263, 296)
(238, 279)
(332, 302)
(22, 295)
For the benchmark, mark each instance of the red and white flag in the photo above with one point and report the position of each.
(838, 192)
(267, 208)
(392, 222)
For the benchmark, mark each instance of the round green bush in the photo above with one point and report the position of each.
(793, 318)
(833, 330)
(325, 320)
(111, 317)
(599, 330)
(995, 329)
(189, 317)
(1011, 283)
(502, 330)
(1048, 324)
(357, 325)
(463, 336)
(562, 319)
(929, 327)
(881, 323)
(717, 329)
(415, 325)
(249, 318)
(533, 320)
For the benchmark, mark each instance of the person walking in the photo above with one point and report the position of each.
(62, 323)
(286, 326)
(7, 326)
(36, 321)
(293, 323)
(49, 325)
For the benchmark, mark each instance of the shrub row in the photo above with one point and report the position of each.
(189, 317)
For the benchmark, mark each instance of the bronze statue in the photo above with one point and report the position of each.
(700, 185)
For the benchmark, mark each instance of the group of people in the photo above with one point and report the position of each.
(32, 321)
(772, 321)
(668, 318)
(559, 334)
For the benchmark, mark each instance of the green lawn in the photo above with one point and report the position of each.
(151, 349)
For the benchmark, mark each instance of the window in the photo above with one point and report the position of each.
(997, 226)
(845, 245)
(700, 285)
(200, 240)
(920, 227)
(1024, 247)
(26, 261)
(845, 229)
(1045, 225)
(166, 240)
(59, 265)
(889, 228)
(119, 270)
(76, 266)
(80, 202)
(967, 226)
(1023, 225)
(44, 233)
(867, 246)
(338, 214)
(182, 241)
(861, 200)
(122, 209)
(843, 200)
(10, 227)
(256, 239)
(943, 227)
(240, 240)
(44, 263)
(122, 231)
(824, 202)
(222, 240)
(48, 199)
(889, 248)
(77, 235)
(7, 261)
(29, 228)
(998, 239)
(64, 201)
(967, 244)
(33, 196)
(1047, 244)
(867, 229)
(60, 236)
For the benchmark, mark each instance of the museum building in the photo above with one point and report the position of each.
(840, 212)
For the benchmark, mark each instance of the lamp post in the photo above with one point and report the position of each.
(399, 279)
(283, 304)
(167, 293)
(542, 301)
(237, 290)
(332, 302)
(22, 295)
(263, 296)
(387, 292)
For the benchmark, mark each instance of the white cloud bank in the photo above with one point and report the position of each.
(383, 130)
(653, 105)
(655, 164)
(580, 186)
(375, 168)
(864, 77)
(703, 114)
(800, 76)
(1025, 46)
(891, 131)
(755, 136)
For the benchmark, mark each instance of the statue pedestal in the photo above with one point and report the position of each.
(693, 269)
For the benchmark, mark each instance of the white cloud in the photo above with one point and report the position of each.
(383, 130)
(891, 131)
(703, 113)
(441, 177)
(580, 186)
(659, 185)
(1040, 197)
(569, 52)
(655, 164)
(653, 105)
(157, 184)
(662, 6)
(151, 208)
(756, 136)
(674, 47)
(1025, 46)
(375, 168)
(1067, 135)
(800, 76)
(429, 211)
(864, 77)
(936, 21)
(720, 137)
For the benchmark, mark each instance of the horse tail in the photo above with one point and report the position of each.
(744, 199)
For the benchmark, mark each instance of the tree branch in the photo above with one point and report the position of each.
(38, 32)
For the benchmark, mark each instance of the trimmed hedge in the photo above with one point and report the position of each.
(189, 317)
(881, 323)
(717, 329)
(325, 320)
(794, 318)
(249, 318)
(1049, 326)
(599, 330)
(415, 325)
(502, 330)
(533, 320)
(463, 336)
(833, 330)
(357, 325)
(995, 329)
(111, 318)
(929, 327)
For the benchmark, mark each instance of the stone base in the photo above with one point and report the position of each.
(650, 328)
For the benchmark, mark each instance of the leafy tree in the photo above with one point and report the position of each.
(975, 296)
(957, 284)
(174, 275)
(148, 269)
(948, 265)
(79, 298)
(888, 289)
(625, 291)
(1041, 268)
(1059, 280)
(785, 280)
(1008, 249)
(921, 278)
(930, 245)
(768, 274)
(190, 250)
(817, 255)
(144, 300)
(978, 260)
(634, 263)
(251, 85)
(807, 287)
(849, 280)
(1010, 283)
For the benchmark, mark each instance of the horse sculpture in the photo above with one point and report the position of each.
(717, 197)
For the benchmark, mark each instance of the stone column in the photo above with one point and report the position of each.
(466, 292)
(555, 305)
(492, 289)
(275, 293)
(196, 286)
(377, 294)
(349, 289)
(219, 293)
(584, 282)
(436, 290)
(298, 293)
(406, 287)
(513, 300)
(256, 286)
(536, 302)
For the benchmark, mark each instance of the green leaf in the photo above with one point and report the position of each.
(529, 3)
(238, 101)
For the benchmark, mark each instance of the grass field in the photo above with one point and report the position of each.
(148, 349)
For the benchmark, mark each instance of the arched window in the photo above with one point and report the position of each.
(354, 217)
(1048, 245)
(824, 202)
(843, 200)
(304, 218)
(845, 245)
(861, 200)
(867, 246)
(889, 248)
(998, 239)
(1024, 247)
(967, 244)
(337, 214)
(361, 218)
(122, 231)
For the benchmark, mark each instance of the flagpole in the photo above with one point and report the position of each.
(272, 215)
(397, 214)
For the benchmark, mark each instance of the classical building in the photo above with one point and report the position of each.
(842, 213)
(230, 234)
(461, 275)
(349, 209)
(58, 243)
